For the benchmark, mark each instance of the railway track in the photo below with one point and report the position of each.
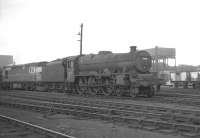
(103, 103)
(164, 92)
(177, 93)
(162, 97)
(154, 118)
(181, 91)
(54, 97)
(180, 96)
(14, 128)
(148, 102)
(175, 99)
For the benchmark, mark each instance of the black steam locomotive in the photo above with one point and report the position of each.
(105, 73)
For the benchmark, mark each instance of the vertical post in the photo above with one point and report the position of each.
(64, 63)
(156, 58)
(167, 63)
(175, 61)
(175, 64)
(81, 38)
(163, 60)
(35, 77)
(153, 64)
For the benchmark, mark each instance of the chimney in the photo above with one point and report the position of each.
(133, 49)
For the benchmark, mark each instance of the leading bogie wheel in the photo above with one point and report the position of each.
(107, 91)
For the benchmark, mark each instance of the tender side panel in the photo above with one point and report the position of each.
(53, 72)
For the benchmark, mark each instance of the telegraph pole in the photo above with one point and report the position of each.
(81, 38)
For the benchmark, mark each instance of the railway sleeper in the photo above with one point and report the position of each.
(188, 130)
(182, 119)
(176, 111)
(16, 133)
(173, 118)
(177, 115)
(148, 125)
(143, 123)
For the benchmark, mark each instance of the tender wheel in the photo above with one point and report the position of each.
(93, 91)
(81, 91)
(107, 91)
(118, 92)
(151, 92)
(134, 92)
(76, 90)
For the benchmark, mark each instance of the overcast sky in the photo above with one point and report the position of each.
(44, 30)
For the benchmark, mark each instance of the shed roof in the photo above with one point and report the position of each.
(162, 52)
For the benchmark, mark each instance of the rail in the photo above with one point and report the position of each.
(45, 131)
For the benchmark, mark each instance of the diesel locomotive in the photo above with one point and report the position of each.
(105, 73)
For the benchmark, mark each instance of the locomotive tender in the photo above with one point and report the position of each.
(105, 73)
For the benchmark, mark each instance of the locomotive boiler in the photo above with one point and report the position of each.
(106, 61)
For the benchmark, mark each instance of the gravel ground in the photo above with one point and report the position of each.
(82, 128)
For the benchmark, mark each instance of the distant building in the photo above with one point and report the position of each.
(198, 68)
(5, 60)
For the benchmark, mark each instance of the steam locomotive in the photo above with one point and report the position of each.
(105, 73)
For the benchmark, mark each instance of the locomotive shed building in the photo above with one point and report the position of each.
(160, 57)
(5, 60)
